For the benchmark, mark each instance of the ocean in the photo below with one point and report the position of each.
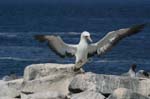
(19, 24)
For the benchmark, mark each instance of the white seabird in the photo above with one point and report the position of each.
(142, 74)
(131, 73)
(83, 50)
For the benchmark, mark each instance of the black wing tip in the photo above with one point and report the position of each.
(138, 28)
(40, 38)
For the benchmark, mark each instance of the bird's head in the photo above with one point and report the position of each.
(86, 35)
(141, 71)
(133, 67)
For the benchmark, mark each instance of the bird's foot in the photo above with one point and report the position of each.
(82, 71)
(76, 69)
(79, 70)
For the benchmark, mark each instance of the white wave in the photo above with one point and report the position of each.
(66, 33)
(8, 35)
(123, 61)
(74, 33)
(57, 33)
(21, 47)
(19, 59)
(107, 61)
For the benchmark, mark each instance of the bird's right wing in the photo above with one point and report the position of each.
(112, 38)
(57, 45)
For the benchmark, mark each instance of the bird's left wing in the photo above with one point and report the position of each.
(111, 39)
(57, 45)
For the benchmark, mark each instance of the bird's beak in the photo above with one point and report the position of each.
(89, 38)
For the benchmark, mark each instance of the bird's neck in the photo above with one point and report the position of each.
(132, 73)
(83, 41)
(132, 70)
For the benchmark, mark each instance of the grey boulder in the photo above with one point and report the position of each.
(44, 95)
(48, 77)
(123, 93)
(10, 88)
(6, 97)
(88, 95)
(106, 84)
(36, 71)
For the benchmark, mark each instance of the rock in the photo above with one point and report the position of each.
(36, 71)
(44, 95)
(88, 95)
(10, 88)
(6, 97)
(53, 77)
(123, 93)
(52, 81)
(106, 84)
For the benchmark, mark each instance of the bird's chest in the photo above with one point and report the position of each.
(82, 51)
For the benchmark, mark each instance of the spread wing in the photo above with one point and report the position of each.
(57, 45)
(111, 39)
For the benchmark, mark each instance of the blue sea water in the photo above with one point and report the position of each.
(19, 23)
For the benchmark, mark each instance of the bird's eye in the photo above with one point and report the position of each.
(86, 36)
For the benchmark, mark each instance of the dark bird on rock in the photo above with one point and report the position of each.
(131, 72)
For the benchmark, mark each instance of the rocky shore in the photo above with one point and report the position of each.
(59, 81)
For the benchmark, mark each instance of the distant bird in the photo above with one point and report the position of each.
(131, 72)
(11, 76)
(84, 50)
(142, 74)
